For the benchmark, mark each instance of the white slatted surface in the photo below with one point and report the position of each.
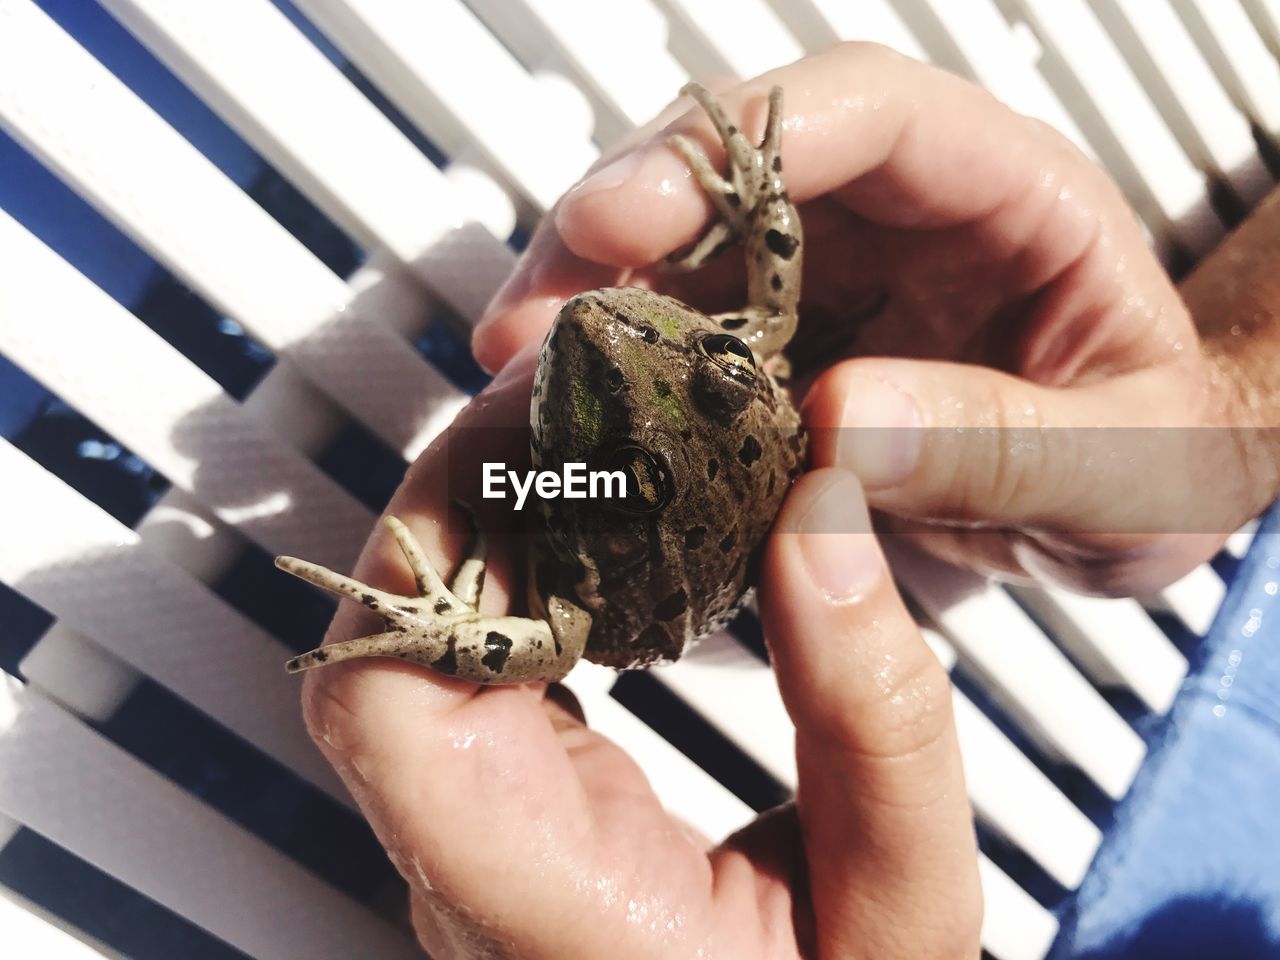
(88, 126)
(518, 96)
(462, 88)
(85, 794)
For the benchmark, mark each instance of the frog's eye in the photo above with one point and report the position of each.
(730, 354)
(648, 481)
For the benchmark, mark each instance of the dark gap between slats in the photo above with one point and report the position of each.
(519, 238)
(363, 465)
(91, 461)
(253, 790)
(1077, 787)
(92, 245)
(101, 906)
(749, 632)
(291, 610)
(449, 351)
(24, 623)
(1121, 699)
(1225, 565)
(686, 730)
(131, 62)
(361, 82)
(1021, 868)
(1184, 639)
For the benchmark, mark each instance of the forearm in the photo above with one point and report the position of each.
(1234, 296)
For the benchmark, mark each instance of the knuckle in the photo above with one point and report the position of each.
(327, 712)
(905, 710)
(917, 707)
(1013, 453)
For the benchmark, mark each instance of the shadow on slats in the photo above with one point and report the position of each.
(24, 624)
(104, 908)
(688, 731)
(264, 797)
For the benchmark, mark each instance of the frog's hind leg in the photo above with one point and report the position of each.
(441, 628)
(754, 206)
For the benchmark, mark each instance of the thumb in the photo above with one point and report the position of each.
(887, 828)
(967, 444)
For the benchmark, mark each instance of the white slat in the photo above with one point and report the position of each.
(175, 416)
(1141, 153)
(685, 789)
(1194, 599)
(1113, 640)
(745, 44)
(1238, 55)
(1012, 796)
(993, 54)
(823, 22)
(80, 675)
(1265, 15)
(1238, 543)
(27, 933)
(1014, 926)
(73, 113)
(440, 66)
(85, 794)
(627, 83)
(1187, 93)
(1018, 801)
(1024, 670)
(65, 554)
(739, 695)
(250, 64)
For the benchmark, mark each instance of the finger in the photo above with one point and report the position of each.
(901, 142)
(1073, 467)
(1101, 565)
(418, 750)
(881, 799)
(548, 273)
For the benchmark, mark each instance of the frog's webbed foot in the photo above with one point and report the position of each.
(442, 628)
(753, 207)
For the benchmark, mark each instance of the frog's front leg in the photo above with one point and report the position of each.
(754, 207)
(442, 628)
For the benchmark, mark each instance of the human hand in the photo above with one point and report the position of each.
(982, 273)
(523, 833)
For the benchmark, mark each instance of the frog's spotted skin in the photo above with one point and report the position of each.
(678, 401)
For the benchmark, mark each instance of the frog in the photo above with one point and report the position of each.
(689, 408)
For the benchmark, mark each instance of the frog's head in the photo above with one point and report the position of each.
(635, 381)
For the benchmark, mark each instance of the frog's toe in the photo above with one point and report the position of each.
(336, 583)
(432, 648)
(469, 580)
(718, 238)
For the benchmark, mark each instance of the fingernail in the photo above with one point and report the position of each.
(836, 544)
(879, 433)
(612, 175)
(653, 166)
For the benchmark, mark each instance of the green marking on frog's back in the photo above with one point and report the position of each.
(586, 410)
(671, 407)
(668, 324)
